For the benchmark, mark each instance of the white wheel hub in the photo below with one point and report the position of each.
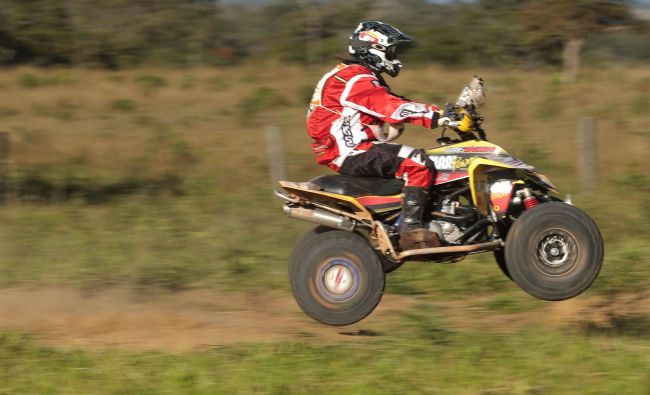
(338, 279)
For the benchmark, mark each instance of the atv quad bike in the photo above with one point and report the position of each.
(484, 200)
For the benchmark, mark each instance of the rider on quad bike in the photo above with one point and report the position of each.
(348, 117)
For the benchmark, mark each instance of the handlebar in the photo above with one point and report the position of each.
(466, 122)
(451, 124)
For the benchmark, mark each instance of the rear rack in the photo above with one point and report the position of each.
(285, 196)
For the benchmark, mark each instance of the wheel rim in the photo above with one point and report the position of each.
(337, 280)
(557, 252)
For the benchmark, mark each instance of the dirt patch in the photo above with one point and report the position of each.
(176, 322)
(198, 319)
(616, 314)
(590, 313)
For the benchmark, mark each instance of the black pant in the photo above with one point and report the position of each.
(379, 161)
(392, 160)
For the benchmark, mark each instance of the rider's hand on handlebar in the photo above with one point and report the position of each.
(447, 121)
(449, 118)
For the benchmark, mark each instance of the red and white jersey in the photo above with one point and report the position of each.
(349, 109)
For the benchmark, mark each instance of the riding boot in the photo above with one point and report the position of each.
(415, 202)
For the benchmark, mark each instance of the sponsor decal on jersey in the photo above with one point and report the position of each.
(408, 113)
(410, 109)
(346, 129)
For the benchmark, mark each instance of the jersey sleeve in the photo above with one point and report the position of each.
(366, 94)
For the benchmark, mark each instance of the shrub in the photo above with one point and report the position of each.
(31, 80)
(640, 105)
(7, 112)
(122, 105)
(150, 81)
(260, 100)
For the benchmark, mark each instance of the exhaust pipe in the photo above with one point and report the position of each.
(321, 217)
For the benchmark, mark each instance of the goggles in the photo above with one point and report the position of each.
(390, 51)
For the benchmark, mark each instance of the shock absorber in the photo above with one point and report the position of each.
(530, 200)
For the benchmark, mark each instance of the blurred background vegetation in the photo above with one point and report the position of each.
(117, 34)
(134, 156)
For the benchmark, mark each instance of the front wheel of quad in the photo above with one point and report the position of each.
(554, 251)
(500, 257)
(336, 277)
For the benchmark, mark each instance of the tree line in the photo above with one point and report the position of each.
(127, 33)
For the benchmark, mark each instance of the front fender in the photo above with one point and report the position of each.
(479, 171)
(499, 197)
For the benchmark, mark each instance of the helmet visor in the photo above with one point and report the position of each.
(397, 50)
(391, 52)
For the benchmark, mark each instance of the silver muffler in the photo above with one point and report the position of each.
(320, 216)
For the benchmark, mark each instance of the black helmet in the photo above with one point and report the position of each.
(374, 45)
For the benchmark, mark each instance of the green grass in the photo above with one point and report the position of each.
(423, 358)
(144, 242)
(513, 303)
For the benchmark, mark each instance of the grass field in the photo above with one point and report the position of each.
(426, 360)
(157, 181)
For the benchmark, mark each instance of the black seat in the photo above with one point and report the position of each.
(359, 186)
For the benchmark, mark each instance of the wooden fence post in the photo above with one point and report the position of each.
(275, 152)
(588, 148)
(5, 166)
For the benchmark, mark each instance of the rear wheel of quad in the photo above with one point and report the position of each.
(554, 251)
(336, 277)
